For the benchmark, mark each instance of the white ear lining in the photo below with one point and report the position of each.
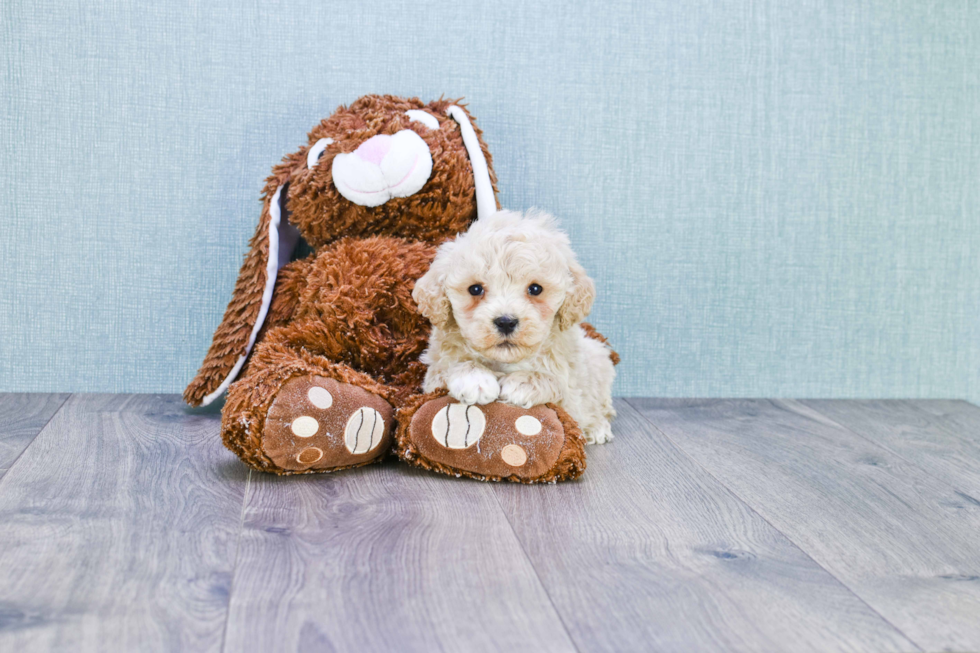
(424, 117)
(486, 205)
(314, 154)
(278, 250)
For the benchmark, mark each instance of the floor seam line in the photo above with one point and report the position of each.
(537, 576)
(234, 566)
(968, 403)
(13, 463)
(885, 447)
(771, 525)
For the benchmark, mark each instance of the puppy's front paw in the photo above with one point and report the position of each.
(474, 387)
(600, 435)
(526, 390)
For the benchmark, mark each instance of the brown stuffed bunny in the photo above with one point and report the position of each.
(326, 348)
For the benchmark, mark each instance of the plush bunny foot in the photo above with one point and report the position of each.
(492, 442)
(317, 424)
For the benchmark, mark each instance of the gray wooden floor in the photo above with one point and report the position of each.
(722, 525)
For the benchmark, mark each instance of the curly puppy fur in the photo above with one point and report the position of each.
(506, 301)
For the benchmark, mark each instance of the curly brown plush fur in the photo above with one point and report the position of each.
(352, 319)
(445, 206)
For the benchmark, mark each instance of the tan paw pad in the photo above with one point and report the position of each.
(364, 430)
(320, 397)
(305, 426)
(309, 455)
(513, 455)
(528, 425)
(458, 426)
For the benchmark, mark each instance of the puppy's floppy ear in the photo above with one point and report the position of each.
(430, 291)
(578, 301)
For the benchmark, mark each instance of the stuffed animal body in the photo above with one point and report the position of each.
(320, 356)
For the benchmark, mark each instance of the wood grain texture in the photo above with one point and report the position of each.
(22, 416)
(706, 525)
(384, 558)
(901, 539)
(648, 552)
(942, 437)
(119, 530)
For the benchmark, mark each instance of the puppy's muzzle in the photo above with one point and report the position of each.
(506, 324)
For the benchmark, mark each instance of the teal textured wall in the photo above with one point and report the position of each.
(775, 198)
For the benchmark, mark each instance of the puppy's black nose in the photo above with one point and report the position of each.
(506, 324)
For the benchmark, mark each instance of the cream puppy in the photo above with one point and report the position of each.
(506, 300)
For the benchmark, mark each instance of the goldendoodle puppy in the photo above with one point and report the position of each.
(506, 300)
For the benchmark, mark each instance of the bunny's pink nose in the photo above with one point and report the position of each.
(374, 149)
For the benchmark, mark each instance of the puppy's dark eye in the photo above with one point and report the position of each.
(535, 289)
(476, 290)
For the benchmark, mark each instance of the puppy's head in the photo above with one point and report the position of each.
(506, 284)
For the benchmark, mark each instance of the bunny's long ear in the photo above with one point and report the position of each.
(486, 202)
(269, 249)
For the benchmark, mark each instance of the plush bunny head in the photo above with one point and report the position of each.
(387, 166)
(384, 166)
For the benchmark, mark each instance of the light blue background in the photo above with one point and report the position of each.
(775, 198)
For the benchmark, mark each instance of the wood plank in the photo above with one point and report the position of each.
(902, 540)
(119, 529)
(384, 558)
(942, 437)
(649, 552)
(22, 416)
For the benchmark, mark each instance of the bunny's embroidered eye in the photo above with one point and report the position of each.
(423, 117)
(317, 151)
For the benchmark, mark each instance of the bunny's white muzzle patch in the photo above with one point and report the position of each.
(383, 167)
